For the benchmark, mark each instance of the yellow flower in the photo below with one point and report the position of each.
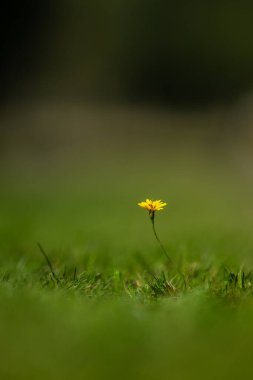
(152, 206)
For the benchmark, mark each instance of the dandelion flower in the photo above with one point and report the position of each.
(152, 207)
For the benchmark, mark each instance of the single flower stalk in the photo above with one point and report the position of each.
(152, 207)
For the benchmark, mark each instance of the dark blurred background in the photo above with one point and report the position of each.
(184, 52)
(90, 80)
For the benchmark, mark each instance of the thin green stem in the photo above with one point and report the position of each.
(152, 218)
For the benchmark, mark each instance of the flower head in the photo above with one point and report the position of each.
(152, 206)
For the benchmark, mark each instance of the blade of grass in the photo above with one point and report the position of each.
(48, 262)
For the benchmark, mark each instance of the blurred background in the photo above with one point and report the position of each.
(104, 103)
(182, 53)
(107, 103)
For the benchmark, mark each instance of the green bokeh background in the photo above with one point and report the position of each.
(102, 105)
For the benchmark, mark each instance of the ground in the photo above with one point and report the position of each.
(116, 307)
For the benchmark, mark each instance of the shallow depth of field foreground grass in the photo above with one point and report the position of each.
(117, 309)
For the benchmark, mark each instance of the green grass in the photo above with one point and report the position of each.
(117, 309)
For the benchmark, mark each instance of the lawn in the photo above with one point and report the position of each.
(116, 309)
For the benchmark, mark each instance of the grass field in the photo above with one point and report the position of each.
(117, 309)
